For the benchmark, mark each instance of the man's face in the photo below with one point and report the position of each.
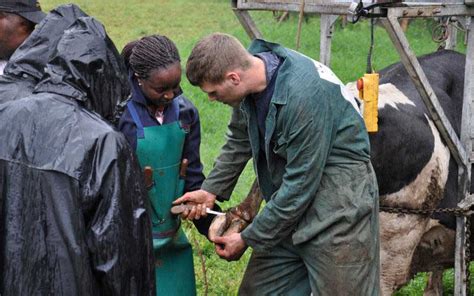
(227, 92)
(12, 33)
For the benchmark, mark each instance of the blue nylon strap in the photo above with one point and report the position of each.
(136, 119)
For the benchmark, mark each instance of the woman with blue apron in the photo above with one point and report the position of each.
(163, 127)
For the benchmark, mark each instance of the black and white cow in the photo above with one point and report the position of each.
(414, 170)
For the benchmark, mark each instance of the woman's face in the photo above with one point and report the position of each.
(162, 86)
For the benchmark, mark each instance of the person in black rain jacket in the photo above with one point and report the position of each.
(73, 217)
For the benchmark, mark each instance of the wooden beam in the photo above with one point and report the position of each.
(409, 10)
(247, 22)
(427, 94)
(460, 266)
(300, 24)
(327, 23)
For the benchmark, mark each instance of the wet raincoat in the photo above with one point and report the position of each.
(73, 217)
(26, 66)
(3, 63)
(318, 231)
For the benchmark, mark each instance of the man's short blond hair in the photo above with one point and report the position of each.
(215, 55)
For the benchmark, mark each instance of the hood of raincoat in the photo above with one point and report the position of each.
(87, 67)
(26, 66)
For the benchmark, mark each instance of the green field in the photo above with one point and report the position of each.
(185, 22)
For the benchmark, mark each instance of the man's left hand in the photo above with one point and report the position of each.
(230, 247)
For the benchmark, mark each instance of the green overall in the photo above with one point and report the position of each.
(319, 231)
(161, 147)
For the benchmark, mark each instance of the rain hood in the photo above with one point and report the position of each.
(72, 200)
(26, 66)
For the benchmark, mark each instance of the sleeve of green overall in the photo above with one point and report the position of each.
(232, 159)
(306, 135)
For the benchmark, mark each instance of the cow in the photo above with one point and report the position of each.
(414, 170)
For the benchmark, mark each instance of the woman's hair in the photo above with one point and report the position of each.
(150, 53)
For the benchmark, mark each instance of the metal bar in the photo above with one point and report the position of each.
(451, 42)
(327, 23)
(467, 134)
(467, 116)
(460, 250)
(418, 77)
(464, 179)
(469, 84)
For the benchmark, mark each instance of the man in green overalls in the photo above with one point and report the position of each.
(163, 127)
(318, 232)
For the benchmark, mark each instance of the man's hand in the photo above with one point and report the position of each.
(200, 200)
(230, 247)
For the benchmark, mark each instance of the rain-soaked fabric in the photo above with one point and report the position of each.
(26, 66)
(73, 217)
(160, 147)
(3, 63)
(313, 135)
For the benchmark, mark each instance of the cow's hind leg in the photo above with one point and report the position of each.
(434, 253)
(399, 237)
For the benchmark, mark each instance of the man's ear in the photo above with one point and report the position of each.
(234, 78)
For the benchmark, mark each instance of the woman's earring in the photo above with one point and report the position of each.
(139, 83)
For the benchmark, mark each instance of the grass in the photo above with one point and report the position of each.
(185, 22)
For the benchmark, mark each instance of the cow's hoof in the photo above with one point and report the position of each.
(226, 225)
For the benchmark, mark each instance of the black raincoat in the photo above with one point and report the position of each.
(73, 215)
(26, 66)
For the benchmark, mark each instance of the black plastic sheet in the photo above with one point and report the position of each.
(73, 215)
(26, 66)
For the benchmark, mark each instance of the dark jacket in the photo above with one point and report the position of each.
(72, 203)
(189, 120)
(188, 117)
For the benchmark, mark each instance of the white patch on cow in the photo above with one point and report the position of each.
(389, 95)
(401, 234)
(436, 170)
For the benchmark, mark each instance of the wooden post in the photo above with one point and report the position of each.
(300, 24)
(327, 23)
(464, 179)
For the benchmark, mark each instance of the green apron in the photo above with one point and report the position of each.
(161, 148)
